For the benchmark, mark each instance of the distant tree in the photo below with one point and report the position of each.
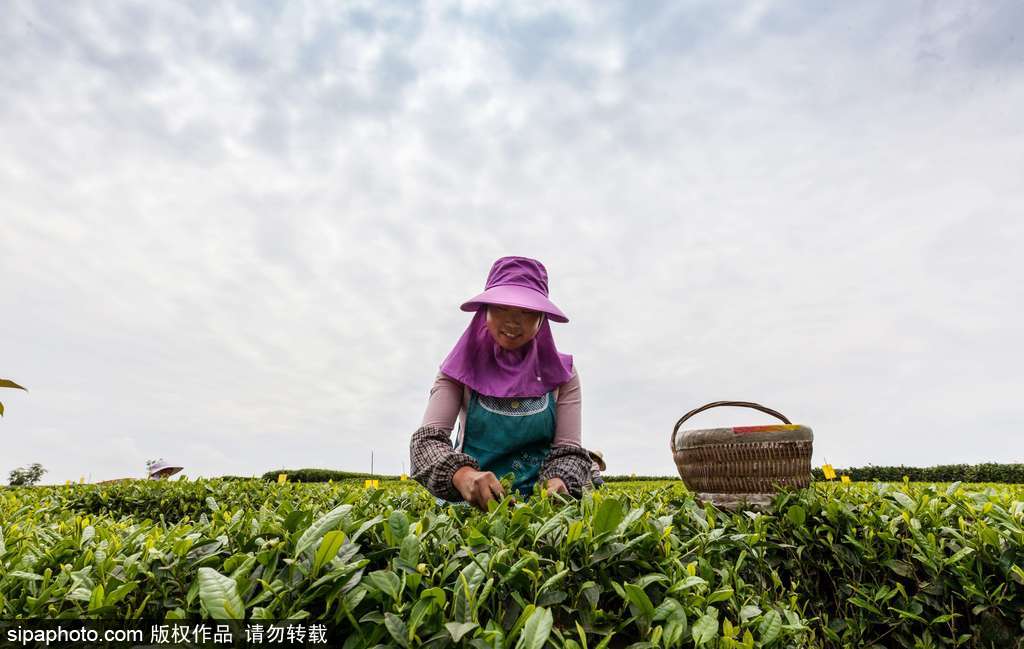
(26, 476)
(7, 383)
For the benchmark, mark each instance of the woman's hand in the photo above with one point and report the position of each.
(557, 486)
(478, 487)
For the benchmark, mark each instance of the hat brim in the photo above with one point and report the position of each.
(166, 471)
(517, 296)
(597, 458)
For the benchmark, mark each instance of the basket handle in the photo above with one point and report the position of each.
(713, 404)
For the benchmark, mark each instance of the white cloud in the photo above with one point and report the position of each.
(242, 234)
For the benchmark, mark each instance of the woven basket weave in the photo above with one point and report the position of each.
(742, 465)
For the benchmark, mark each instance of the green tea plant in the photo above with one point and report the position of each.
(639, 565)
(987, 472)
(322, 475)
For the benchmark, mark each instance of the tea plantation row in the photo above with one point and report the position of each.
(642, 564)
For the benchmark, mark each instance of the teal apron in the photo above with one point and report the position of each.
(510, 435)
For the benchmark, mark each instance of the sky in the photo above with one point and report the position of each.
(236, 235)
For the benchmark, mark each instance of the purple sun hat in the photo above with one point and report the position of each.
(536, 368)
(520, 282)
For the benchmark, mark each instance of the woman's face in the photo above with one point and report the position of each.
(512, 327)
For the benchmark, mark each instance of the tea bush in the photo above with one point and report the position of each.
(641, 564)
(322, 475)
(1003, 473)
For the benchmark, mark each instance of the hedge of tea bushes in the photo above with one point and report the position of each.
(323, 475)
(863, 565)
(974, 473)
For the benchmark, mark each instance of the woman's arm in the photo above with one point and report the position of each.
(568, 459)
(433, 460)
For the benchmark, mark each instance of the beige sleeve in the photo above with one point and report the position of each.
(444, 403)
(569, 413)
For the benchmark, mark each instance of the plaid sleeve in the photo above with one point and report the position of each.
(571, 464)
(433, 461)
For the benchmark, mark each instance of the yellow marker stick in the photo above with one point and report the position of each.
(403, 477)
(845, 479)
(282, 478)
(830, 473)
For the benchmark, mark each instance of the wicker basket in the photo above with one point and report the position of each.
(735, 467)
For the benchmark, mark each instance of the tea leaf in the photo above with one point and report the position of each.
(219, 594)
(319, 528)
(638, 597)
(901, 568)
(398, 522)
(328, 549)
(770, 627)
(436, 594)
(119, 593)
(689, 582)
(905, 500)
(554, 579)
(420, 610)
(96, 600)
(458, 629)
(536, 630)
(608, 516)
(386, 582)
(396, 627)
(670, 609)
(705, 629)
(410, 551)
(720, 595)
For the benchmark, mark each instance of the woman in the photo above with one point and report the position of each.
(517, 398)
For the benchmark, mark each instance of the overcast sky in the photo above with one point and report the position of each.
(236, 236)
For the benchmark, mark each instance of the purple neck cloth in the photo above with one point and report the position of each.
(478, 361)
